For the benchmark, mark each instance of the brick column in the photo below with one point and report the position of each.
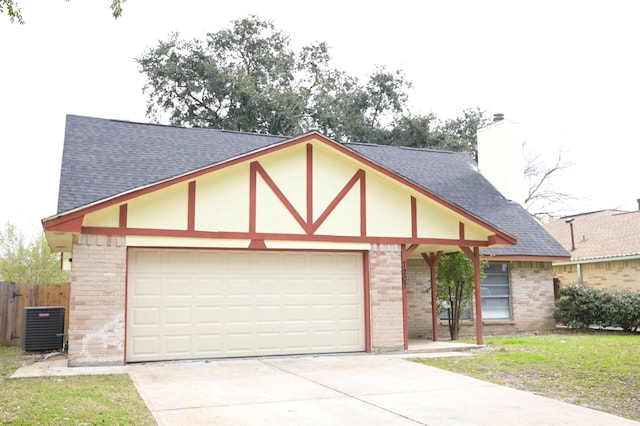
(97, 303)
(419, 285)
(385, 289)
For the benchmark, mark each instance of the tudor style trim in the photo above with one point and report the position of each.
(72, 221)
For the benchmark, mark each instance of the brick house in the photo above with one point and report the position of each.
(190, 243)
(604, 247)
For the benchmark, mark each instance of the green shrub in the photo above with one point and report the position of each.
(627, 310)
(581, 307)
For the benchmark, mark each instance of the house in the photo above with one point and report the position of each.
(604, 247)
(189, 243)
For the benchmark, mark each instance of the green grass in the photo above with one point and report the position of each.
(598, 371)
(76, 400)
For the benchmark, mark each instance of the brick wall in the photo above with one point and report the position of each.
(615, 275)
(385, 289)
(532, 302)
(567, 274)
(97, 305)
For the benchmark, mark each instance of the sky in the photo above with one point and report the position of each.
(567, 71)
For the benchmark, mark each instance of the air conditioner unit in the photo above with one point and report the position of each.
(43, 328)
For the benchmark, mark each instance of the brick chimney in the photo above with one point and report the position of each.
(501, 157)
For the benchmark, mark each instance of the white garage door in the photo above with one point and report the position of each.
(188, 304)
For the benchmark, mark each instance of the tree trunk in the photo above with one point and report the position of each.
(454, 327)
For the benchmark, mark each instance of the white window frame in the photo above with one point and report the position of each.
(498, 271)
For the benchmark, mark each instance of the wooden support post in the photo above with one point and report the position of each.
(474, 255)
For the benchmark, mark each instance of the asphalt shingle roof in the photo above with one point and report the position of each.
(599, 235)
(103, 158)
(454, 176)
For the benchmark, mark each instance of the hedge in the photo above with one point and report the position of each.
(581, 307)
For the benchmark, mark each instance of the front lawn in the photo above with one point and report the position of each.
(74, 400)
(599, 371)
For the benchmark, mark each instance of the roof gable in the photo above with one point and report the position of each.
(109, 159)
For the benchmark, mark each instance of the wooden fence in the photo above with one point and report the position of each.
(15, 297)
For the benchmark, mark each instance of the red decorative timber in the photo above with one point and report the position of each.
(309, 183)
(252, 198)
(367, 302)
(474, 255)
(257, 244)
(359, 175)
(363, 205)
(191, 209)
(257, 168)
(64, 224)
(308, 225)
(71, 221)
(122, 218)
(155, 232)
(414, 217)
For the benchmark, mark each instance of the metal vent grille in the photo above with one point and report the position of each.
(43, 328)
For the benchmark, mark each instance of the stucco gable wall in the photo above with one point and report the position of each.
(304, 189)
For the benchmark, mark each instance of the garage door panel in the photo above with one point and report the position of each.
(178, 259)
(178, 287)
(145, 316)
(209, 315)
(209, 343)
(178, 315)
(143, 286)
(268, 314)
(293, 286)
(205, 303)
(209, 288)
(178, 345)
(240, 343)
(347, 313)
(145, 346)
(146, 260)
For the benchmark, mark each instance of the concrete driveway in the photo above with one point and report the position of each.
(340, 390)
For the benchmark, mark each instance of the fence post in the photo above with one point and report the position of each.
(9, 300)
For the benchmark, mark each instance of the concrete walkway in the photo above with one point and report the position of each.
(331, 390)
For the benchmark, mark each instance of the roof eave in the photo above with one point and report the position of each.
(526, 257)
(634, 256)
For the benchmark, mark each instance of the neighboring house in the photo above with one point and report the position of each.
(604, 247)
(200, 243)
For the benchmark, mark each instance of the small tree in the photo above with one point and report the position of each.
(28, 262)
(455, 287)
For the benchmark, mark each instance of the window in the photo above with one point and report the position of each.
(465, 315)
(496, 293)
